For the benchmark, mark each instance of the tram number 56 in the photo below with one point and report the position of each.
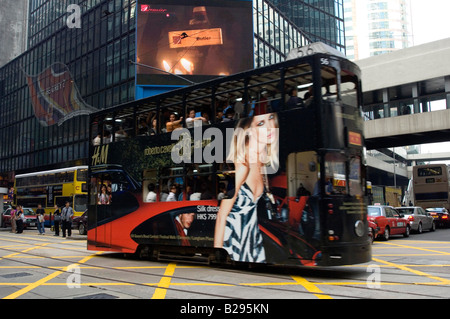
(324, 61)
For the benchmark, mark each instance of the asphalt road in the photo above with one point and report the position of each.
(48, 267)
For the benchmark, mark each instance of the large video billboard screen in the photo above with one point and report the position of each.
(195, 39)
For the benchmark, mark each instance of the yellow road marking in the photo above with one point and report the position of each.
(404, 255)
(24, 251)
(419, 248)
(164, 283)
(417, 272)
(311, 287)
(48, 278)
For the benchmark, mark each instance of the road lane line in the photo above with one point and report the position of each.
(419, 248)
(309, 286)
(164, 283)
(48, 278)
(25, 251)
(417, 272)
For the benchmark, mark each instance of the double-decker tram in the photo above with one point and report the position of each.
(264, 166)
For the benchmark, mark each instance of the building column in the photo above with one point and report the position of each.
(387, 109)
(425, 105)
(415, 95)
(447, 91)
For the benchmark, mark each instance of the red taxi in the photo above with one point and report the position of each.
(440, 215)
(389, 221)
(29, 219)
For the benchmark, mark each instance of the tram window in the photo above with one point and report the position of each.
(198, 107)
(199, 184)
(349, 89)
(230, 101)
(221, 104)
(105, 185)
(329, 84)
(142, 126)
(169, 190)
(172, 115)
(101, 186)
(302, 174)
(335, 174)
(149, 186)
(171, 183)
(356, 185)
(119, 183)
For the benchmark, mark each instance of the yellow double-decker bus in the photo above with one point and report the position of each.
(53, 187)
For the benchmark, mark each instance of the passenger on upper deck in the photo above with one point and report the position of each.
(174, 123)
(153, 130)
(229, 115)
(190, 121)
(308, 97)
(294, 101)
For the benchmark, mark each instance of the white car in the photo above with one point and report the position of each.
(419, 219)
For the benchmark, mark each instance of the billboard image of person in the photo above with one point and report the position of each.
(182, 223)
(198, 40)
(254, 147)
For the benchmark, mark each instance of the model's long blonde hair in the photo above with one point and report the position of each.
(239, 146)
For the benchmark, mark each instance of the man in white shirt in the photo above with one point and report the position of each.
(66, 218)
(173, 194)
(151, 196)
(190, 121)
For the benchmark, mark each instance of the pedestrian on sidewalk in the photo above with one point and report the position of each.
(19, 219)
(66, 219)
(40, 212)
(13, 220)
(56, 219)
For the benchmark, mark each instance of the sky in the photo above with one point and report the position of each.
(430, 20)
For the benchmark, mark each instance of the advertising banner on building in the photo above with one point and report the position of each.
(198, 40)
(55, 96)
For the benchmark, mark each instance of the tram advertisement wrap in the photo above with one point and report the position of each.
(253, 216)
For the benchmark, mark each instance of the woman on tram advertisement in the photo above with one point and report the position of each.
(254, 151)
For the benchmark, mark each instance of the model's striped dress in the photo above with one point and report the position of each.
(243, 239)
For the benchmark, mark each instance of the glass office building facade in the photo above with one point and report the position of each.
(68, 71)
(96, 55)
(320, 20)
(275, 34)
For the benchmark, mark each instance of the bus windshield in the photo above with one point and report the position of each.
(80, 203)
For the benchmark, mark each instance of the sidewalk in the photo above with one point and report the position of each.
(48, 233)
